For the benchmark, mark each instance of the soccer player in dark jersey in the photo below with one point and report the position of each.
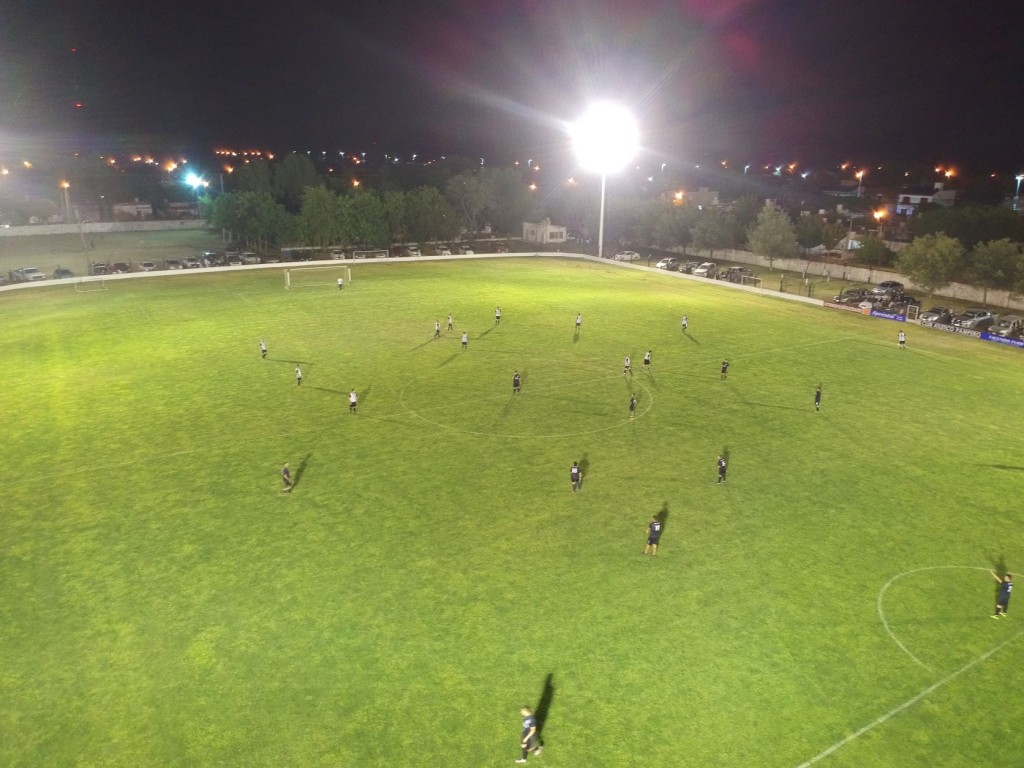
(286, 478)
(725, 369)
(1003, 598)
(647, 361)
(575, 477)
(721, 468)
(653, 536)
(632, 406)
(817, 398)
(528, 740)
(516, 381)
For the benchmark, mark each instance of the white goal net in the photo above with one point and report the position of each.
(87, 286)
(317, 277)
(751, 280)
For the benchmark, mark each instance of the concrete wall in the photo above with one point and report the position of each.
(102, 226)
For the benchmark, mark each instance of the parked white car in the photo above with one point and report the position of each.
(29, 274)
(707, 269)
(626, 256)
(444, 250)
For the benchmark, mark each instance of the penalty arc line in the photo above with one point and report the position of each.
(893, 580)
(908, 703)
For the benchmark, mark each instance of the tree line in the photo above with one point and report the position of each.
(290, 203)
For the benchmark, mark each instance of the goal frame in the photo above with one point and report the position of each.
(101, 285)
(344, 270)
(752, 281)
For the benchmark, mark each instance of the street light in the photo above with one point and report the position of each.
(880, 218)
(860, 179)
(604, 139)
(1016, 195)
(65, 185)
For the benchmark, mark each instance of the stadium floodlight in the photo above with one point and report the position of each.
(604, 139)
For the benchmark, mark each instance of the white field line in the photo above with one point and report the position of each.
(893, 580)
(908, 703)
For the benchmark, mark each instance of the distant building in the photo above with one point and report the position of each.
(544, 232)
(132, 211)
(909, 200)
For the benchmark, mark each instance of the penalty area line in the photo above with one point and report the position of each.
(908, 703)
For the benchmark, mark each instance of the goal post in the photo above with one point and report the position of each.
(751, 280)
(88, 286)
(316, 277)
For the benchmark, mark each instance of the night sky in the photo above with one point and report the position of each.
(765, 80)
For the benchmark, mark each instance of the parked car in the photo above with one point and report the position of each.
(936, 315)
(173, 264)
(975, 319)
(146, 266)
(337, 254)
(502, 248)
(707, 269)
(29, 275)
(466, 250)
(888, 286)
(1009, 326)
(61, 273)
(413, 250)
(271, 259)
(671, 264)
(626, 256)
(234, 260)
(98, 269)
(248, 257)
(192, 263)
(689, 266)
(853, 296)
(444, 250)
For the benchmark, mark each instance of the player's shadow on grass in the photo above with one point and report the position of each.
(584, 465)
(727, 456)
(691, 338)
(1006, 467)
(328, 389)
(662, 516)
(481, 335)
(451, 357)
(428, 341)
(999, 566)
(547, 696)
(300, 470)
(306, 363)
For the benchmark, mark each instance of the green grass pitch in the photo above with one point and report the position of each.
(163, 603)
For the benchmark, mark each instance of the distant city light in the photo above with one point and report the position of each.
(26, 163)
(4, 171)
(355, 182)
(533, 187)
(65, 184)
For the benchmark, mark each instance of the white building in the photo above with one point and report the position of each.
(544, 232)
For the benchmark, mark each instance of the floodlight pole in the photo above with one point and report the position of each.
(600, 220)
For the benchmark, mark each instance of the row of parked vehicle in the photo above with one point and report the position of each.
(884, 295)
(976, 319)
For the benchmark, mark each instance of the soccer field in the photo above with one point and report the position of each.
(163, 603)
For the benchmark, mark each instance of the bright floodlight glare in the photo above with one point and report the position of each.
(192, 180)
(605, 139)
